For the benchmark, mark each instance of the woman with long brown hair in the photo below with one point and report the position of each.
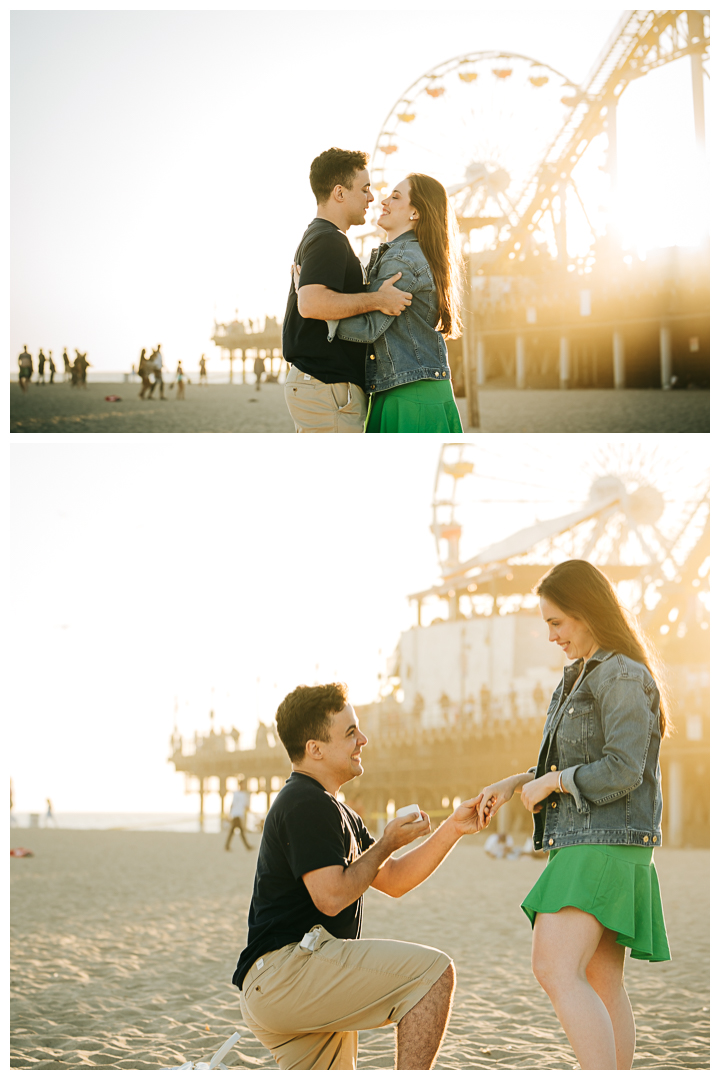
(596, 802)
(406, 367)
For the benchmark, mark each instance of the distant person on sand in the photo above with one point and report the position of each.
(143, 372)
(180, 380)
(79, 369)
(41, 368)
(238, 811)
(49, 816)
(203, 380)
(596, 802)
(324, 388)
(307, 981)
(259, 369)
(25, 366)
(67, 369)
(156, 369)
(51, 366)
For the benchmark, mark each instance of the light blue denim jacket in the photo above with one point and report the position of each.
(604, 736)
(403, 348)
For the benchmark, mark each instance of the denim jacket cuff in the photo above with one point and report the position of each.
(568, 782)
(332, 325)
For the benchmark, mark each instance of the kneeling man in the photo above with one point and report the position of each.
(308, 983)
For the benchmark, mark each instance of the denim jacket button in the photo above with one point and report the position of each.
(654, 839)
(553, 805)
(645, 839)
(571, 709)
(553, 768)
(437, 374)
(372, 356)
(444, 374)
(551, 842)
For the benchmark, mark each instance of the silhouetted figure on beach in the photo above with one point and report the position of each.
(144, 373)
(180, 381)
(79, 369)
(41, 368)
(49, 816)
(238, 812)
(203, 381)
(259, 369)
(25, 366)
(156, 366)
(51, 366)
(67, 368)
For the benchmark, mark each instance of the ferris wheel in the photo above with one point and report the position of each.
(481, 124)
(622, 505)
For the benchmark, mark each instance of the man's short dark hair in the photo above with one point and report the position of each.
(335, 166)
(307, 713)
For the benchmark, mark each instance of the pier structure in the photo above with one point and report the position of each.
(235, 337)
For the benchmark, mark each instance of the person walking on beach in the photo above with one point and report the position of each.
(25, 369)
(307, 981)
(324, 388)
(596, 800)
(51, 366)
(259, 369)
(156, 368)
(143, 372)
(238, 810)
(41, 368)
(180, 381)
(203, 380)
(67, 369)
(49, 816)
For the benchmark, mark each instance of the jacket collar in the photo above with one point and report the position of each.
(378, 251)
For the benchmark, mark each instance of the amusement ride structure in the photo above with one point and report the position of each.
(518, 146)
(464, 697)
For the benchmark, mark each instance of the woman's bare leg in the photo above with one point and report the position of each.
(605, 973)
(564, 943)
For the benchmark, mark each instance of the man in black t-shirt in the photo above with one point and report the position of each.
(324, 389)
(308, 981)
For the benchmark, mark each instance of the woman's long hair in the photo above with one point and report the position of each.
(439, 240)
(579, 589)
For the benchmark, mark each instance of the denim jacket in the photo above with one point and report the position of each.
(604, 736)
(404, 348)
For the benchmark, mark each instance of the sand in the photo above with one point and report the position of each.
(223, 408)
(124, 944)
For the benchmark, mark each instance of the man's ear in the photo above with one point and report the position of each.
(338, 193)
(313, 750)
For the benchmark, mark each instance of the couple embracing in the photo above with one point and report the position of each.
(307, 979)
(367, 349)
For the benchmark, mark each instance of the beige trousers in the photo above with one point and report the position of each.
(324, 407)
(306, 1007)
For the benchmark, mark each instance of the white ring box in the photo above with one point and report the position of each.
(413, 808)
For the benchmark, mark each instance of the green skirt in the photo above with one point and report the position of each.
(425, 405)
(618, 884)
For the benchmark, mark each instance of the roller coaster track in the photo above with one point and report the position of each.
(640, 42)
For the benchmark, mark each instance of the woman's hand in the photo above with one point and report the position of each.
(533, 794)
(295, 271)
(492, 797)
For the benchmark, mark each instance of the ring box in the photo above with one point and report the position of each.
(413, 808)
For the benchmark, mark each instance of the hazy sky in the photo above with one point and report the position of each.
(150, 572)
(160, 158)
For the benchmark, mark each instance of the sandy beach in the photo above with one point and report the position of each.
(124, 944)
(60, 409)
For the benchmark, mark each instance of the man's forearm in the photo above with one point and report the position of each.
(409, 870)
(319, 302)
(356, 878)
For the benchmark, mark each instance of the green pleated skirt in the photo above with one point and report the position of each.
(425, 405)
(616, 883)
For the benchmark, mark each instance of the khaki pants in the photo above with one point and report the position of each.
(324, 407)
(306, 1007)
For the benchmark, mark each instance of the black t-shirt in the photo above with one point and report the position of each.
(326, 258)
(306, 829)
